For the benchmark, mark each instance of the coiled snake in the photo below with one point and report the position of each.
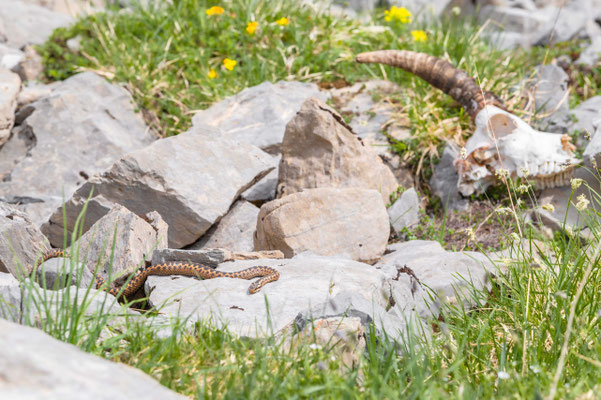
(267, 274)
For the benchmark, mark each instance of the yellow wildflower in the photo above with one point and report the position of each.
(212, 74)
(215, 10)
(229, 64)
(283, 21)
(251, 27)
(398, 13)
(419, 36)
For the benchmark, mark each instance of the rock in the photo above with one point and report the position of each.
(329, 221)
(305, 281)
(583, 116)
(444, 181)
(551, 95)
(524, 24)
(10, 85)
(23, 23)
(592, 54)
(30, 68)
(265, 189)
(80, 129)
(404, 213)
(368, 118)
(34, 366)
(235, 231)
(58, 273)
(559, 198)
(21, 243)
(191, 191)
(258, 115)
(9, 57)
(562, 24)
(210, 257)
(447, 274)
(320, 150)
(118, 244)
(34, 92)
(10, 298)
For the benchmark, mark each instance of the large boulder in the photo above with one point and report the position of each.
(320, 150)
(328, 221)
(80, 129)
(21, 242)
(33, 365)
(258, 115)
(307, 282)
(10, 84)
(190, 179)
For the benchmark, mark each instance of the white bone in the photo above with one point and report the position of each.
(504, 141)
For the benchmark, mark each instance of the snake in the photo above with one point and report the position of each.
(267, 274)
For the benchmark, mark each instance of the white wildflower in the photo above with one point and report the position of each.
(576, 182)
(525, 171)
(463, 153)
(515, 236)
(471, 235)
(523, 188)
(582, 203)
(314, 346)
(503, 375)
(502, 173)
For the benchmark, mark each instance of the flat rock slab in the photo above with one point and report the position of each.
(21, 242)
(34, 365)
(80, 129)
(446, 273)
(24, 23)
(329, 221)
(321, 150)
(190, 179)
(305, 281)
(10, 85)
(258, 115)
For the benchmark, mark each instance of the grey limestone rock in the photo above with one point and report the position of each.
(404, 213)
(21, 242)
(235, 231)
(34, 365)
(258, 115)
(10, 85)
(444, 181)
(305, 281)
(80, 129)
(24, 23)
(190, 179)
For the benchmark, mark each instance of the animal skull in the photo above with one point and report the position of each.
(502, 141)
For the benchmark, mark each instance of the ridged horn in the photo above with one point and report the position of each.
(439, 73)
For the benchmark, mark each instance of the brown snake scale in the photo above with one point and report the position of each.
(267, 274)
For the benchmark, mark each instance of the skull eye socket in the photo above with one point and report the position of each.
(500, 125)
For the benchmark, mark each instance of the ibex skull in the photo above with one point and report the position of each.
(501, 142)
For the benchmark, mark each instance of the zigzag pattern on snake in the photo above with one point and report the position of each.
(267, 274)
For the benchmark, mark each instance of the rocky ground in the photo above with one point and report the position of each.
(287, 174)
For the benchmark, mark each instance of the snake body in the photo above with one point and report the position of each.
(267, 274)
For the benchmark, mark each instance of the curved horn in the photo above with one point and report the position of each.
(439, 73)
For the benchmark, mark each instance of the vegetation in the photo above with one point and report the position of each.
(534, 334)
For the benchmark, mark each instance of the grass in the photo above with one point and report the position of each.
(534, 334)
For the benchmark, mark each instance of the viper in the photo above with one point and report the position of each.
(267, 274)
